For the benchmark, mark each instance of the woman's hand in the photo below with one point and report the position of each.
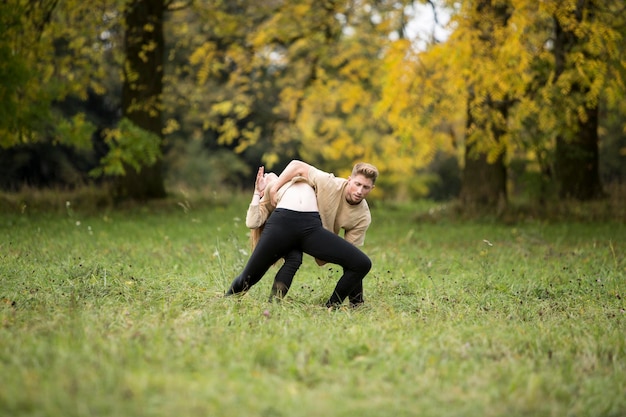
(261, 183)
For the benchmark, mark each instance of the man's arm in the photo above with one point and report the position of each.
(355, 233)
(295, 168)
(356, 236)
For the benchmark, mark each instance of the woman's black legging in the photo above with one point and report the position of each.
(286, 230)
(285, 274)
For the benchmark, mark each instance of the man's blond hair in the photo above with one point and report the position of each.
(365, 169)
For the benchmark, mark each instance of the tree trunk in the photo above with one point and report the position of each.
(483, 184)
(577, 162)
(142, 91)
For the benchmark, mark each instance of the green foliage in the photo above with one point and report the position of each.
(121, 313)
(75, 131)
(13, 75)
(129, 145)
(50, 51)
(24, 112)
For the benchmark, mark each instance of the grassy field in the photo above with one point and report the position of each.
(120, 313)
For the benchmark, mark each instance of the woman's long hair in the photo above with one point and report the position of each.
(255, 235)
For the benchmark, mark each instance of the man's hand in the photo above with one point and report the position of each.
(293, 169)
(319, 262)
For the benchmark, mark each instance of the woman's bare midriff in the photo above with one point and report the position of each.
(300, 196)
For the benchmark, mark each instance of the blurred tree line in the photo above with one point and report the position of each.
(520, 97)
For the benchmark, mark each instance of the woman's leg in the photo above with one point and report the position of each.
(329, 247)
(284, 276)
(276, 240)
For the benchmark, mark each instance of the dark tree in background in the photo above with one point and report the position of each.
(576, 154)
(484, 181)
(484, 176)
(142, 92)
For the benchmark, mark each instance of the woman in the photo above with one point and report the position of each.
(295, 223)
(258, 212)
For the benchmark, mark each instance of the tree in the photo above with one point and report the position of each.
(332, 82)
(530, 91)
(233, 94)
(578, 66)
(333, 68)
(142, 98)
(484, 175)
(483, 185)
(34, 47)
(66, 47)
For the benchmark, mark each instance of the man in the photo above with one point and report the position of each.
(342, 205)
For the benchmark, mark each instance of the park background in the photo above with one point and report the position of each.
(486, 102)
(130, 133)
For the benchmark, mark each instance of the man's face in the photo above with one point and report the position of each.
(358, 188)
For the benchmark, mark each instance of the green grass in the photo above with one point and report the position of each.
(120, 313)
